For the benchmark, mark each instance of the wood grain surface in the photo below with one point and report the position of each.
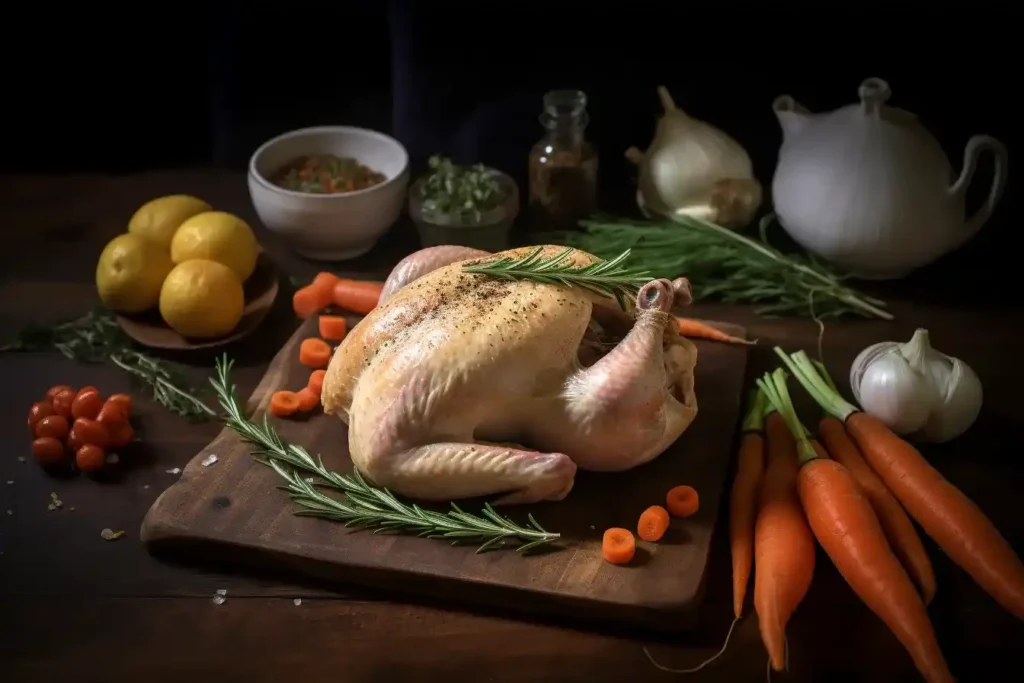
(232, 507)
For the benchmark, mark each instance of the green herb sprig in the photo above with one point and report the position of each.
(459, 192)
(726, 265)
(607, 278)
(364, 505)
(95, 338)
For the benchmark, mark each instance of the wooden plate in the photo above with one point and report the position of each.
(149, 329)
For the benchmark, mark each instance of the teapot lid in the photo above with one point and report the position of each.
(873, 94)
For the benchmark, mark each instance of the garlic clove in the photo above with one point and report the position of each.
(896, 393)
(862, 361)
(960, 400)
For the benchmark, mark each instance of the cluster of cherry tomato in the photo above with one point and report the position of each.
(79, 425)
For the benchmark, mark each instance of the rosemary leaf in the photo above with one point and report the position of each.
(363, 506)
(725, 265)
(95, 338)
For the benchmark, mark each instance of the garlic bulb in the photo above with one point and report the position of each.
(695, 169)
(915, 389)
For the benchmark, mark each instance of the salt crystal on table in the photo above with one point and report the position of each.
(209, 460)
(176, 470)
(222, 591)
(218, 599)
(10, 481)
(297, 601)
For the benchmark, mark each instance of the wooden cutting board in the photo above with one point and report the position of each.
(234, 509)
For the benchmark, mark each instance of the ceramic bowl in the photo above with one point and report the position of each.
(330, 227)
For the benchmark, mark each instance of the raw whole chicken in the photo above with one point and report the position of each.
(461, 385)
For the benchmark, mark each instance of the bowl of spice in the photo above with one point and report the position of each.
(330, 191)
(469, 206)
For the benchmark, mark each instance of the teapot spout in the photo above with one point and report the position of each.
(791, 114)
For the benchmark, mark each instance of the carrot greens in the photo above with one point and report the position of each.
(821, 390)
(773, 386)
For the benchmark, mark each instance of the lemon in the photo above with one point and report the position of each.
(217, 236)
(202, 299)
(157, 220)
(130, 272)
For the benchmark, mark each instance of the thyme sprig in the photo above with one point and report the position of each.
(729, 266)
(364, 506)
(95, 338)
(459, 191)
(607, 278)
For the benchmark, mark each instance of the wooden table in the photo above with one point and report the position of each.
(74, 607)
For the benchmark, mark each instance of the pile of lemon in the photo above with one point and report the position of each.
(185, 258)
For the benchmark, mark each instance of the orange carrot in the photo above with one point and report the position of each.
(743, 500)
(316, 381)
(783, 543)
(306, 302)
(323, 284)
(698, 329)
(284, 403)
(308, 400)
(618, 545)
(848, 529)
(314, 353)
(897, 526)
(952, 519)
(333, 327)
(357, 296)
(682, 501)
(653, 523)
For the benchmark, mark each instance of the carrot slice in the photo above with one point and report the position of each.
(316, 381)
(314, 353)
(357, 296)
(324, 283)
(653, 523)
(307, 301)
(333, 327)
(284, 403)
(307, 399)
(682, 501)
(618, 545)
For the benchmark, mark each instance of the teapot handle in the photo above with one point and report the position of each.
(975, 146)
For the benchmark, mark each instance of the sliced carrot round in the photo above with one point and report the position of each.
(316, 381)
(307, 399)
(653, 523)
(333, 327)
(682, 501)
(618, 545)
(284, 403)
(314, 353)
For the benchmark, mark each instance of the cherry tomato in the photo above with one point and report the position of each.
(90, 457)
(74, 441)
(54, 390)
(124, 399)
(55, 426)
(36, 413)
(112, 413)
(87, 403)
(121, 434)
(62, 401)
(91, 431)
(48, 450)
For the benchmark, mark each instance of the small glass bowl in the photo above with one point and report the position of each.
(491, 232)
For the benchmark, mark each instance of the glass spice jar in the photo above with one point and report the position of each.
(563, 165)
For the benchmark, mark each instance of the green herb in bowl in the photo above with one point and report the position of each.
(472, 206)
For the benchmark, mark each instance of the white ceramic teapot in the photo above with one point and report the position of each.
(868, 188)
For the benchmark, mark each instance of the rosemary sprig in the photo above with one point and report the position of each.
(727, 266)
(94, 338)
(607, 278)
(364, 505)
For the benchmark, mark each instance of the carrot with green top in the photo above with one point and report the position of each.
(848, 529)
(743, 499)
(783, 543)
(952, 519)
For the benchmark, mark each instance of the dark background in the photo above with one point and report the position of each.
(194, 85)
